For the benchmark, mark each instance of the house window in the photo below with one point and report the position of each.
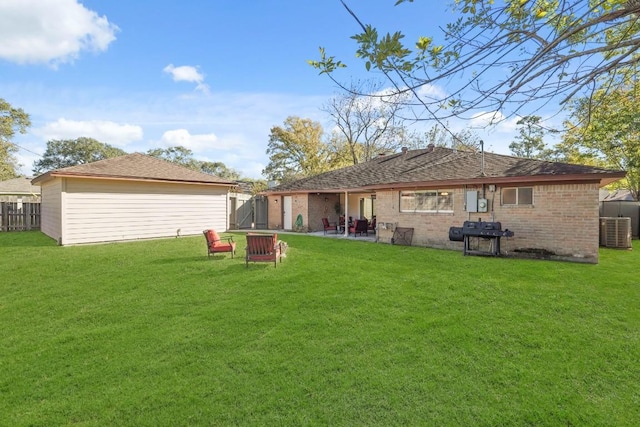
(517, 196)
(426, 201)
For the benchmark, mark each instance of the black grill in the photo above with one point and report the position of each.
(484, 229)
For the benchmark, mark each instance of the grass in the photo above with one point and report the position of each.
(341, 333)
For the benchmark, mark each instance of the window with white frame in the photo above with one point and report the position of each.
(426, 201)
(517, 196)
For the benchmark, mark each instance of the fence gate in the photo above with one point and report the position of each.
(245, 214)
(19, 216)
(261, 212)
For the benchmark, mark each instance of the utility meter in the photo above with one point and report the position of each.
(482, 205)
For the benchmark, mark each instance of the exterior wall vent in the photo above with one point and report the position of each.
(615, 232)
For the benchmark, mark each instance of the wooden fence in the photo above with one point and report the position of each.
(18, 216)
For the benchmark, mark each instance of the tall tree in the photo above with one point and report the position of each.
(297, 150)
(529, 143)
(367, 119)
(184, 157)
(11, 120)
(256, 185)
(178, 154)
(464, 140)
(62, 153)
(604, 130)
(510, 55)
(219, 169)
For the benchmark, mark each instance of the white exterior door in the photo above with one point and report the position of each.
(287, 214)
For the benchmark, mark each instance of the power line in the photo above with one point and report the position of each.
(23, 148)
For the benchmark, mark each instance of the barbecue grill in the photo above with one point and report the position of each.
(480, 229)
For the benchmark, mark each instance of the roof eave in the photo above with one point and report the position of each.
(602, 179)
(53, 174)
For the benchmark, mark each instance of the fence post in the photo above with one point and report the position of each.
(26, 208)
(3, 216)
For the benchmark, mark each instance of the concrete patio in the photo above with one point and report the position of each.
(367, 238)
(370, 238)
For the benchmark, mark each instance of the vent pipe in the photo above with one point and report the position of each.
(482, 158)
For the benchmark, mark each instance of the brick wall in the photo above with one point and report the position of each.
(300, 206)
(274, 212)
(321, 206)
(562, 220)
(312, 207)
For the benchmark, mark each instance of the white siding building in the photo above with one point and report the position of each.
(130, 197)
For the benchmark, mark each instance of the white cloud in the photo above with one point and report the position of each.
(227, 127)
(187, 73)
(431, 92)
(51, 31)
(486, 118)
(195, 143)
(104, 131)
(495, 120)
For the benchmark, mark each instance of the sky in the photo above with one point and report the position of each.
(213, 76)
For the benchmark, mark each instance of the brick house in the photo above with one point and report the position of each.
(552, 208)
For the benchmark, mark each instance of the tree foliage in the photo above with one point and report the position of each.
(184, 157)
(178, 154)
(11, 120)
(219, 169)
(256, 185)
(604, 130)
(550, 49)
(367, 120)
(443, 136)
(297, 150)
(529, 143)
(62, 153)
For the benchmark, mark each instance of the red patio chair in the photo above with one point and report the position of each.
(372, 224)
(263, 248)
(216, 245)
(329, 225)
(359, 226)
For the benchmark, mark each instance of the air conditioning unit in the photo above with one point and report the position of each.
(615, 232)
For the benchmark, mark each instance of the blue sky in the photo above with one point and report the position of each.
(210, 75)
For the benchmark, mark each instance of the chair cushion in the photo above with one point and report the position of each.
(217, 245)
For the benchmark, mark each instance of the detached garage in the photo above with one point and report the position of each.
(130, 197)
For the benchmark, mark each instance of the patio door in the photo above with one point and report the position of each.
(366, 207)
(287, 215)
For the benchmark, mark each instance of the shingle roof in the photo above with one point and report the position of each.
(435, 165)
(21, 185)
(618, 196)
(135, 166)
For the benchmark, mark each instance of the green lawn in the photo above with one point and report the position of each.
(341, 333)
